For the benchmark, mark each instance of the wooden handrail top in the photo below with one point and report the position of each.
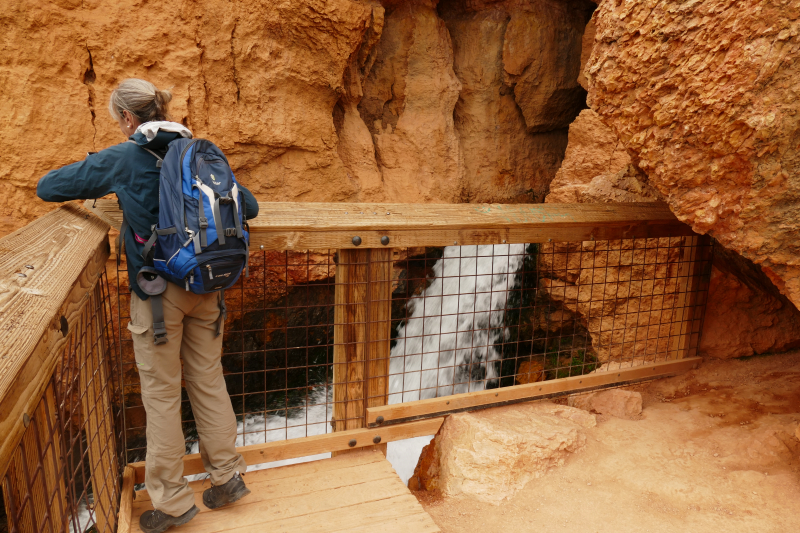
(46, 271)
(296, 226)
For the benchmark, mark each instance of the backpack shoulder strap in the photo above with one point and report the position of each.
(160, 159)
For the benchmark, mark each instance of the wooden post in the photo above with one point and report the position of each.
(362, 332)
(695, 254)
(99, 420)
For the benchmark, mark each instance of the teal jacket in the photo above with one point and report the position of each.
(131, 173)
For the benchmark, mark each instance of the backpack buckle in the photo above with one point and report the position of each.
(230, 232)
(203, 223)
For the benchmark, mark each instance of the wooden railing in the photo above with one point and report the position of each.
(364, 234)
(55, 400)
(51, 268)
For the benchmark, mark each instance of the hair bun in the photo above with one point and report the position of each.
(164, 95)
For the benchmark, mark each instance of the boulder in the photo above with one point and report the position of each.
(492, 454)
(597, 168)
(627, 292)
(615, 402)
(745, 314)
(704, 94)
(530, 371)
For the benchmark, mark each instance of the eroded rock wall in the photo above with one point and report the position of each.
(745, 313)
(511, 145)
(312, 100)
(704, 94)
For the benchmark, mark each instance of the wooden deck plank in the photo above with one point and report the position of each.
(345, 493)
(251, 510)
(401, 514)
(269, 487)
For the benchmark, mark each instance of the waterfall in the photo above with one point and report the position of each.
(446, 346)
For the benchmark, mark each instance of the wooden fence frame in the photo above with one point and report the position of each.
(363, 235)
(49, 273)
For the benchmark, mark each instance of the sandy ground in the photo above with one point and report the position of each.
(715, 451)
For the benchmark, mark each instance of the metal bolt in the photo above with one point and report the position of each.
(504, 241)
(352, 443)
(20, 274)
(377, 439)
(448, 402)
(29, 266)
(345, 212)
(379, 420)
(374, 213)
(548, 240)
(384, 240)
(455, 242)
(64, 326)
(356, 240)
(387, 212)
(261, 247)
(26, 420)
(496, 394)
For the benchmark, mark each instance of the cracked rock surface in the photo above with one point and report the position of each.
(704, 95)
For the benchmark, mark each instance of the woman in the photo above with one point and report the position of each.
(129, 170)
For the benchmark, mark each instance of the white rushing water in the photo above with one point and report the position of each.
(453, 325)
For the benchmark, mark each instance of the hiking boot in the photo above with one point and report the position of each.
(158, 521)
(220, 495)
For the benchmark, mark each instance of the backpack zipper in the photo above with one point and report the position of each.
(210, 274)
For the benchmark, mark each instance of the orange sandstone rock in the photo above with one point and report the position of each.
(705, 95)
(615, 402)
(597, 168)
(327, 100)
(490, 455)
(745, 313)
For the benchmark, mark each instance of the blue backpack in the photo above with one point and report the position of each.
(200, 242)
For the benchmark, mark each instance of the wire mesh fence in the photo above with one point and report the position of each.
(64, 474)
(315, 338)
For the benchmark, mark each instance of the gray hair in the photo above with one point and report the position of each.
(141, 98)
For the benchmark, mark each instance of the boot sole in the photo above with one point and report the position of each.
(235, 497)
(179, 521)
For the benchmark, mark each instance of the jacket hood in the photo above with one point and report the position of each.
(153, 134)
(161, 139)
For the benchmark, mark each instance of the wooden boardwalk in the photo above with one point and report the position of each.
(357, 491)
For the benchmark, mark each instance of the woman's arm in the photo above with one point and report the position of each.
(91, 178)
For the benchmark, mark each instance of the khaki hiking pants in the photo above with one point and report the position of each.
(191, 322)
